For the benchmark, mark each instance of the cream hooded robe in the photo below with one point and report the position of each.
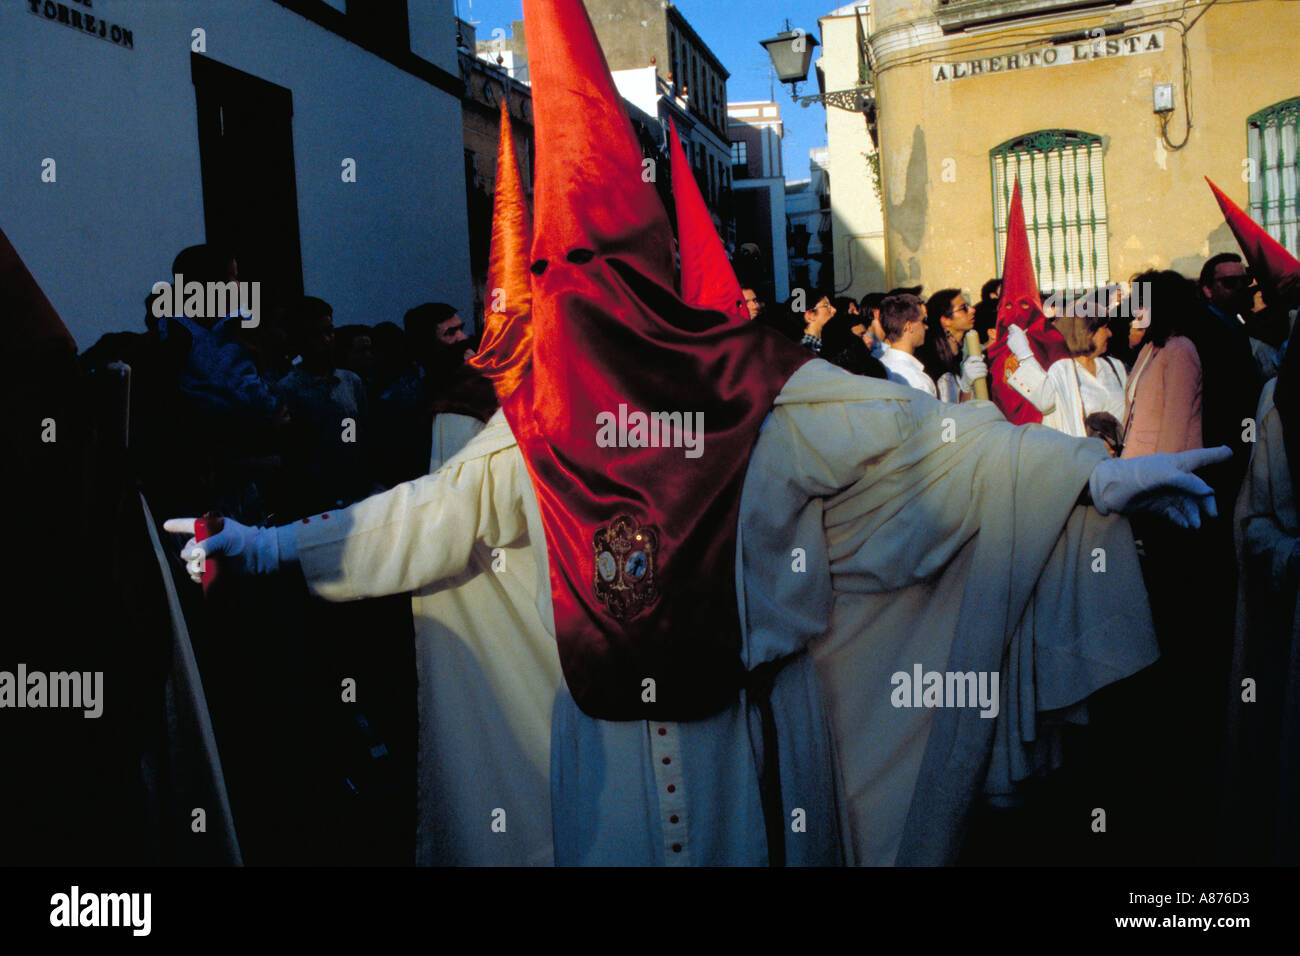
(879, 529)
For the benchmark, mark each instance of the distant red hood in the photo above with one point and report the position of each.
(1020, 304)
(1268, 259)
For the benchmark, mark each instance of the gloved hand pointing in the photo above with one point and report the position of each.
(246, 550)
(1161, 484)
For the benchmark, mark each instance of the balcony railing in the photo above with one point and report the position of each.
(956, 15)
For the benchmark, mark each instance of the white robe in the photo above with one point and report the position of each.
(1262, 756)
(870, 529)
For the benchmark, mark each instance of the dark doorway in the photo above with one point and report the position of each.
(250, 195)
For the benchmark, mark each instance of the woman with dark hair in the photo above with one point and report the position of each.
(1164, 391)
(948, 318)
(1076, 392)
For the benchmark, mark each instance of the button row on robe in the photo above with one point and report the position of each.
(664, 754)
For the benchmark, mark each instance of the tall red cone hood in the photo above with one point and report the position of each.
(506, 352)
(31, 326)
(1268, 259)
(590, 185)
(708, 280)
(641, 529)
(1020, 304)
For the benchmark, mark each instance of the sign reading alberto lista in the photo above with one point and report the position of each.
(1096, 49)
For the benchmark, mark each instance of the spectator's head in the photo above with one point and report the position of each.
(948, 311)
(837, 333)
(1161, 300)
(853, 356)
(354, 349)
(820, 310)
(205, 263)
(906, 290)
(436, 334)
(844, 305)
(869, 307)
(753, 301)
(986, 312)
(1086, 330)
(902, 317)
(1225, 284)
(869, 317)
(311, 333)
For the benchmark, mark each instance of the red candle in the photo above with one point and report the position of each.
(206, 527)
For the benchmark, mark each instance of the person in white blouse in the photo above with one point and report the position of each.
(949, 318)
(1087, 382)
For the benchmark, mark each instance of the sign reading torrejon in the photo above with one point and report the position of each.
(1099, 49)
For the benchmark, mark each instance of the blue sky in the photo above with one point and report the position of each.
(732, 29)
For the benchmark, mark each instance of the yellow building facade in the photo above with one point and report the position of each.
(1110, 116)
(857, 222)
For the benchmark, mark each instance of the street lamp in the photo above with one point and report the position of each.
(791, 53)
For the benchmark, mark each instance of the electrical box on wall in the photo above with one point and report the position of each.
(1163, 98)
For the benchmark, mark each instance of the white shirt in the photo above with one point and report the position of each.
(907, 370)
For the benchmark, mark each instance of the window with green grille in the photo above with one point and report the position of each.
(1064, 194)
(1275, 167)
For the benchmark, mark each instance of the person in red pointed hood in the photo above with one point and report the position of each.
(797, 530)
(641, 535)
(1021, 306)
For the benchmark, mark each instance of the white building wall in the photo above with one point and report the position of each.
(121, 126)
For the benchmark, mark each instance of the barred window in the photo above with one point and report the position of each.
(1275, 164)
(1064, 195)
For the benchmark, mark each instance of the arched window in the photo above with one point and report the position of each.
(1275, 170)
(1064, 194)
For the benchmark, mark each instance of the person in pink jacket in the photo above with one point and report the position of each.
(1163, 394)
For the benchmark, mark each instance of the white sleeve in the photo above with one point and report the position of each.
(1034, 384)
(421, 531)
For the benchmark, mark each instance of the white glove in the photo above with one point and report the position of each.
(1018, 342)
(1161, 484)
(972, 367)
(246, 550)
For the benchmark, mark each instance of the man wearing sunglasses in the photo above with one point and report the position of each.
(1230, 379)
(1226, 285)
